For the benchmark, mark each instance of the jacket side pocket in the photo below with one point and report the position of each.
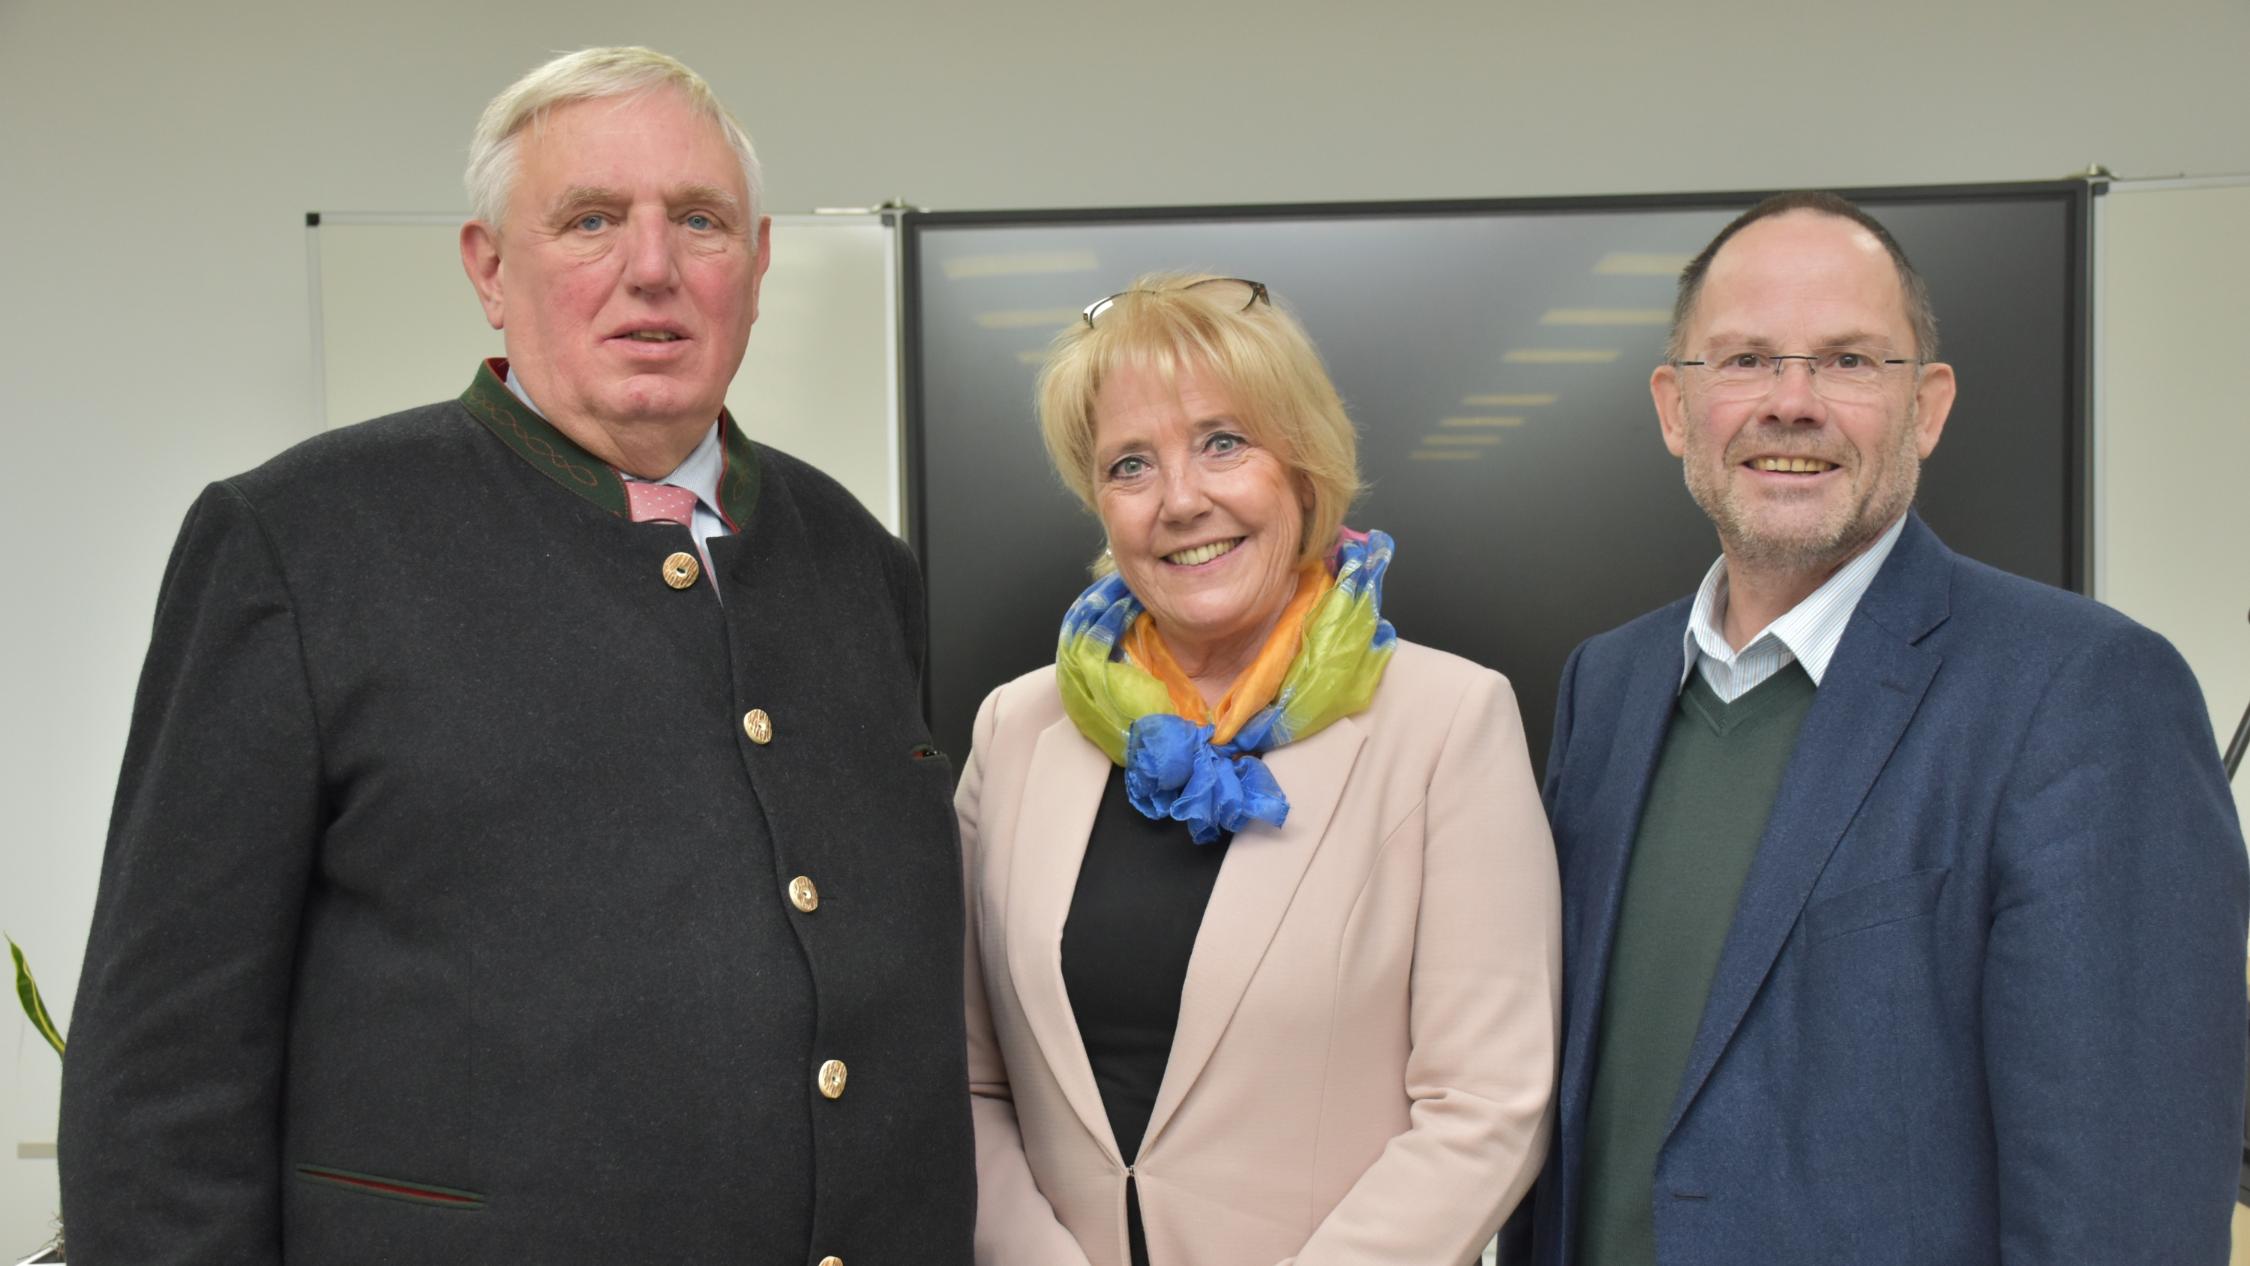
(390, 1188)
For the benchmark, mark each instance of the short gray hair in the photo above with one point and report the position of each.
(590, 74)
(1919, 314)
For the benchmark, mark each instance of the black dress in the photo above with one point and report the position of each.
(1141, 892)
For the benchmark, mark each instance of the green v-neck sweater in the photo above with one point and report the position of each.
(1714, 787)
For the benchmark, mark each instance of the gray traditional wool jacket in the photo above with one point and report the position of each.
(478, 892)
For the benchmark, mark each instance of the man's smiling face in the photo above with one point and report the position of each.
(1797, 482)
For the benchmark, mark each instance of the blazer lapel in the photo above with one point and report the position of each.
(1603, 820)
(1062, 793)
(1602, 842)
(1868, 696)
(1254, 889)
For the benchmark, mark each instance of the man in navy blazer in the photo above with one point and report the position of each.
(1904, 899)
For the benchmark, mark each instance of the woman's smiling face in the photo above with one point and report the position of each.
(1205, 525)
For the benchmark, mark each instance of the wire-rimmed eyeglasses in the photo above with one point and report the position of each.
(1253, 292)
(1844, 373)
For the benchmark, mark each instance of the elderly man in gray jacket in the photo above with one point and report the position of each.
(529, 847)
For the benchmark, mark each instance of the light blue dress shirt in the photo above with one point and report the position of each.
(1807, 633)
(698, 473)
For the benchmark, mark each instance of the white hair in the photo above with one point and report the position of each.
(590, 74)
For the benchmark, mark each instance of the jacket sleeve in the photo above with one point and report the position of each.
(170, 1122)
(1558, 748)
(1519, 1233)
(1015, 1224)
(904, 572)
(1483, 1014)
(2113, 1018)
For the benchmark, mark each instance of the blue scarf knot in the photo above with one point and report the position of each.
(1173, 770)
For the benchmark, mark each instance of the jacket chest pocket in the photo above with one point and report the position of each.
(1873, 905)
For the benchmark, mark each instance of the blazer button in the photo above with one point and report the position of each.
(681, 569)
(831, 1261)
(832, 1079)
(803, 895)
(758, 726)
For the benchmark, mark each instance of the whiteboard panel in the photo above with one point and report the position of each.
(397, 325)
(2174, 428)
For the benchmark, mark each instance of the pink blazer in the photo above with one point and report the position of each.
(1367, 1034)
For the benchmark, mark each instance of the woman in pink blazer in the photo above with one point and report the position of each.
(1263, 922)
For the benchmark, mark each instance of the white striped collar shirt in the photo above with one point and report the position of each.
(1807, 633)
(698, 473)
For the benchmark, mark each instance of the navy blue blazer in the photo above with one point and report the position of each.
(1982, 1000)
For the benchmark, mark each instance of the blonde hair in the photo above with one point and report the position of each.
(589, 74)
(1168, 322)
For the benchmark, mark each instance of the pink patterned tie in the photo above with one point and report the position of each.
(660, 501)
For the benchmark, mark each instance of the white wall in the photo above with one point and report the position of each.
(156, 161)
(2173, 473)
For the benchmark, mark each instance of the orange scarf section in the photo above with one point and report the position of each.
(1257, 685)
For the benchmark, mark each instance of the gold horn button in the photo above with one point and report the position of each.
(832, 1079)
(803, 895)
(681, 570)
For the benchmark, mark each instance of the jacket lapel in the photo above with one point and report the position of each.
(1253, 893)
(1062, 792)
(1869, 695)
(1593, 861)
(1600, 846)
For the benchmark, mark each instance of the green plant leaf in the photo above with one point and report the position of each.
(34, 1007)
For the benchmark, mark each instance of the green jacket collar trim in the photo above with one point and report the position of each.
(556, 456)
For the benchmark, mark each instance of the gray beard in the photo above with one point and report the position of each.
(1801, 555)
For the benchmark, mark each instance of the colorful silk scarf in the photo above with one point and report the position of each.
(1181, 761)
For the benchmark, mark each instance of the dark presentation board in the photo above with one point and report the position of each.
(1495, 357)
